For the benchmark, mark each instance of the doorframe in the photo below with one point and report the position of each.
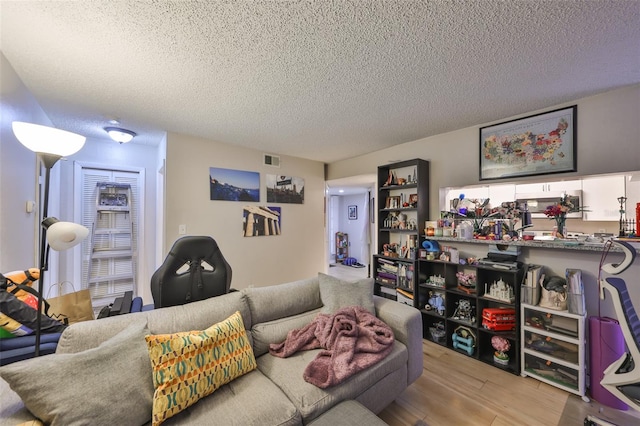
(367, 188)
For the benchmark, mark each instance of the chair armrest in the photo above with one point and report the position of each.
(406, 323)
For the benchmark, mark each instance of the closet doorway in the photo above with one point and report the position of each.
(88, 176)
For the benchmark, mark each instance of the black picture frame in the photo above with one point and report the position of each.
(539, 144)
(352, 212)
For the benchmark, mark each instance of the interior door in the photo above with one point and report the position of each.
(103, 293)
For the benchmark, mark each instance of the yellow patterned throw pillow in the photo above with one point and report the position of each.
(190, 365)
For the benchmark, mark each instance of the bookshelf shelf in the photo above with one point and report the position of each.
(403, 208)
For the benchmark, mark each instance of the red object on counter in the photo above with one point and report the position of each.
(637, 219)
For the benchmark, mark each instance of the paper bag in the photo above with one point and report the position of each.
(72, 307)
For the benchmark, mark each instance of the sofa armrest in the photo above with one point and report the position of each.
(406, 323)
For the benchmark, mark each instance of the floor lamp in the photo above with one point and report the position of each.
(50, 145)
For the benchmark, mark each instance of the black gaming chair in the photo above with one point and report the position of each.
(194, 269)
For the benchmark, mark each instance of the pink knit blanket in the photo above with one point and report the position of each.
(352, 340)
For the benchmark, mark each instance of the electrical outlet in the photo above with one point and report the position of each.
(182, 229)
(602, 230)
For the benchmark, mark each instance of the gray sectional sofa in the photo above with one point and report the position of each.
(273, 394)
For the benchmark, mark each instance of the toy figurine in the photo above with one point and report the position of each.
(502, 346)
(436, 302)
(464, 339)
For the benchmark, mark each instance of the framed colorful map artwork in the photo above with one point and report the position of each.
(536, 145)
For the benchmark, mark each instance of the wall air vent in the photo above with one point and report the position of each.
(271, 160)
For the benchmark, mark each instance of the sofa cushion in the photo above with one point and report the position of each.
(249, 400)
(276, 331)
(192, 316)
(336, 293)
(283, 300)
(88, 387)
(190, 365)
(312, 401)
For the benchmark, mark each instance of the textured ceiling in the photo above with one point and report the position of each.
(324, 80)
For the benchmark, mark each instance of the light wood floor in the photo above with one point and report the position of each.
(347, 272)
(456, 390)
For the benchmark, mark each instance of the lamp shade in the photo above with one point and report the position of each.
(63, 235)
(47, 140)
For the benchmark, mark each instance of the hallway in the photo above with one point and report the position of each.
(347, 273)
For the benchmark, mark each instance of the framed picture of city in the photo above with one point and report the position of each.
(285, 189)
(233, 185)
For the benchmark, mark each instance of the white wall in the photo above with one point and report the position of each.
(18, 237)
(256, 261)
(18, 240)
(608, 140)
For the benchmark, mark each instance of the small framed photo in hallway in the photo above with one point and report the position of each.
(353, 212)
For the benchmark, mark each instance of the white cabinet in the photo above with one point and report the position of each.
(470, 193)
(632, 192)
(556, 187)
(499, 194)
(553, 348)
(600, 197)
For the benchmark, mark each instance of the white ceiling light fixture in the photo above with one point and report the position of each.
(120, 135)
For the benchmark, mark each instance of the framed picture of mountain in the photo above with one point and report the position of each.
(536, 145)
(233, 185)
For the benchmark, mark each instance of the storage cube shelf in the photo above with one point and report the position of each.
(464, 307)
(451, 306)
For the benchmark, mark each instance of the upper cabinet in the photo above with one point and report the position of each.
(632, 192)
(502, 193)
(556, 187)
(600, 197)
(469, 192)
(497, 194)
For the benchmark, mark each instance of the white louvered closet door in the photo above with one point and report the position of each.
(103, 293)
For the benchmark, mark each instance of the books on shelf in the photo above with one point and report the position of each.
(530, 293)
(575, 288)
(405, 293)
(388, 291)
